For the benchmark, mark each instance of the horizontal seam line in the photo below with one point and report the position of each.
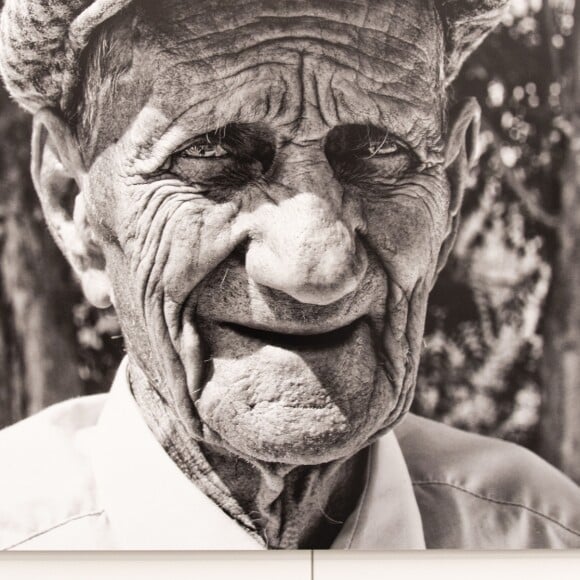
(59, 525)
(501, 502)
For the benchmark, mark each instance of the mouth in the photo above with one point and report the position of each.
(297, 342)
(296, 396)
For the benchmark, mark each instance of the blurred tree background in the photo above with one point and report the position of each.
(502, 347)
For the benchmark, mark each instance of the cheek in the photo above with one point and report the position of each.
(406, 230)
(198, 240)
(163, 241)
(170, 239)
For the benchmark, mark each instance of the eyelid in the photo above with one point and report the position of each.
(372, 135)
(204, 139)
(401, 148)
(386, 137)
(208, 147)
(377, 146)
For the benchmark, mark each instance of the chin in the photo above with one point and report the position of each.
(294, 436)
(294, 401)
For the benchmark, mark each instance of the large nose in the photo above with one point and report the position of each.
(305, 245)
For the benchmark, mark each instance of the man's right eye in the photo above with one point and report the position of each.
(204, 148)
(235, 153)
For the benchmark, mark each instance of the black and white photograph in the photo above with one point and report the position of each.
(289, 275)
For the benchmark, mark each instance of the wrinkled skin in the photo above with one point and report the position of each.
(271, 279)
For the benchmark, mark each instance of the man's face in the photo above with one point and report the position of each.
(271, 199)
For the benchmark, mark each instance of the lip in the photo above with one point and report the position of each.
(305, 340)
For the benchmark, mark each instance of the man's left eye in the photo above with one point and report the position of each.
(205, 149)
(383, 147)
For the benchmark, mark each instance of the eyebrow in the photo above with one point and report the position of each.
(154, 136)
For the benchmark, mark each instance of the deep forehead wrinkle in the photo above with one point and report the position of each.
(394, 46)
(262, 94)
(353, 57)
(401, 32)
(205, 17)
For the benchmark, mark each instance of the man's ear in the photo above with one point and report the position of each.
(460, 156)
(59, 173)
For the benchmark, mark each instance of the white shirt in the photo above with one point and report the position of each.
(89, 474)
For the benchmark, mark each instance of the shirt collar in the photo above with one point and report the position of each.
(387, 516)
(152, 505)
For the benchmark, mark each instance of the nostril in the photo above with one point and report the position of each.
(240, 252)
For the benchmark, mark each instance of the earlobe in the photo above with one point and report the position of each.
(58, 173)
(97, 288)
(91, 268)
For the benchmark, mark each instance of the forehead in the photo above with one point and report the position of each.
(325, 62)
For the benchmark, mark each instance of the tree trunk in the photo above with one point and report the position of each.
(560, 427)
(38, 352)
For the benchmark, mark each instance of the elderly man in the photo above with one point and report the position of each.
(265, 191)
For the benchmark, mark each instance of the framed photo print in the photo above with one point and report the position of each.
(289, 274)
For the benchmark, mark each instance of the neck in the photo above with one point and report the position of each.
(292, 506)
(284, 506)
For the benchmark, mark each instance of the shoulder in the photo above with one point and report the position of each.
(47, 479)
(481, 492)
